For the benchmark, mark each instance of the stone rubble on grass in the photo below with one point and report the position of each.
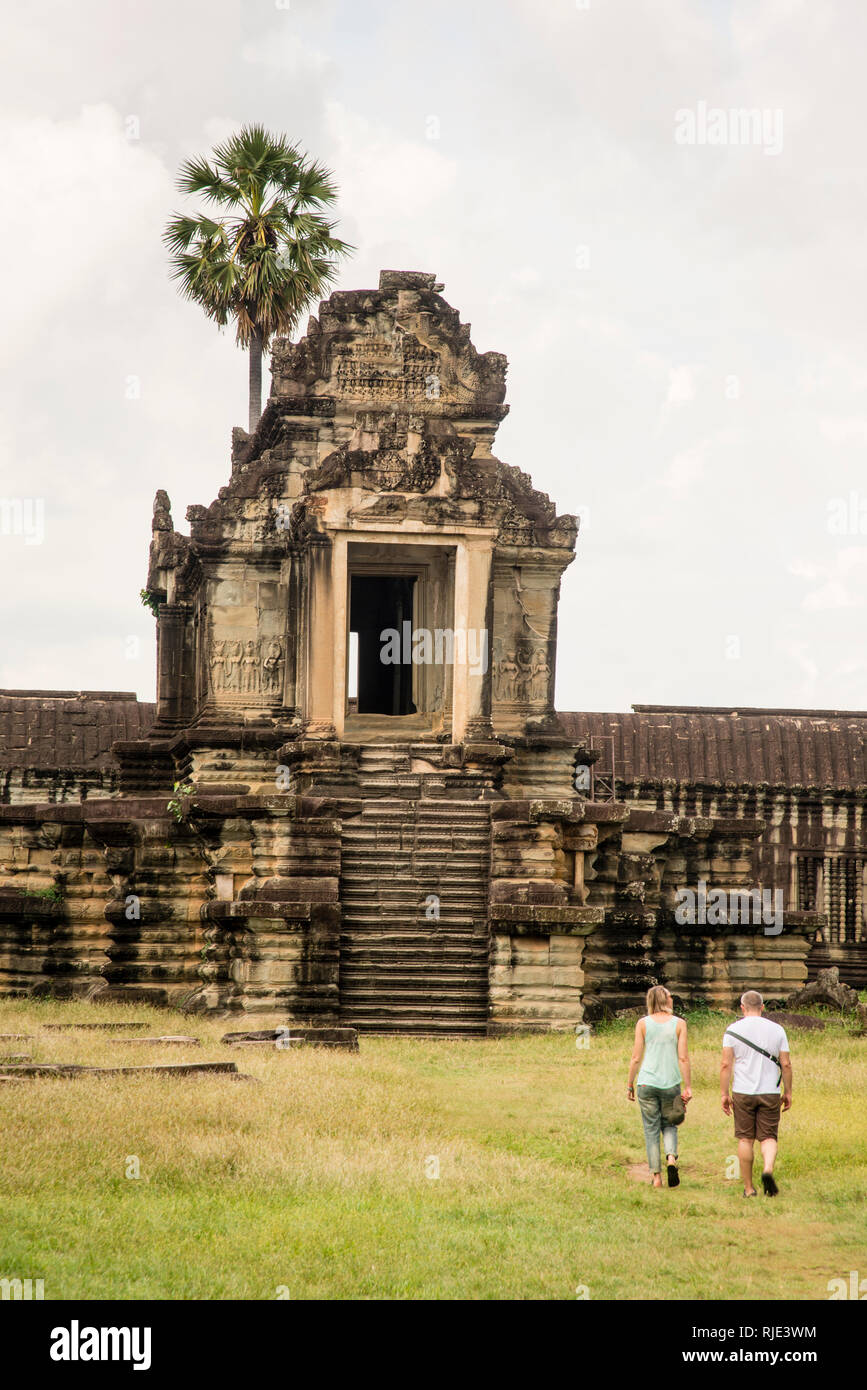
(807, 1021)
(96, 1027)
(294, 1036)
(826, 989)
(70, 1069)
(168, 1040)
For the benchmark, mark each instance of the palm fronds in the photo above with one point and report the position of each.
(265, 249)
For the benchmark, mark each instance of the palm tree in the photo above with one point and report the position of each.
(267, 251)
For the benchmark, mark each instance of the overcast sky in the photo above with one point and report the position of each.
(684, 322)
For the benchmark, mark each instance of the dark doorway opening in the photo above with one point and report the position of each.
(377, 604)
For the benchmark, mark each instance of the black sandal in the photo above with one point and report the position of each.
(673, 1175)
(769, 1185)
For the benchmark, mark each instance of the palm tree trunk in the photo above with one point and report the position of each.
(255, 379)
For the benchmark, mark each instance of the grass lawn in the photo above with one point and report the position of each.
(313, 1183)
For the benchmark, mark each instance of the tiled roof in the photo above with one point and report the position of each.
(61, 729)
(803, 748)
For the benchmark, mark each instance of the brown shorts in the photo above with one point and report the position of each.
(756, 1117)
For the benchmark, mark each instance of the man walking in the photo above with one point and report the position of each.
(757, 1050)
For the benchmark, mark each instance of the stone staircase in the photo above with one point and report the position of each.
(401, 970)
(386, 770)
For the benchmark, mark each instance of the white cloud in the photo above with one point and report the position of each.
(81, 221)
(681, 384)
(684, 469)
(386, 179)
(844, 431)
(284, 50)
(843, 581)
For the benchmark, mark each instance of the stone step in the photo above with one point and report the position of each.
(392, 891)
(369, 829)
(360, 860)
(395, 988)
(389, 936)
(454, 901)
(425, 976)
(403, 936)
(443, 845)
(405, 841)
(422, 971)
(396, 931)
(405, 783)
(427, 806)
(393, 885)
(452, 906)
(400, 972)
(403, 939)
(414, 903)
(363, 861)
(396, 837)
(425, 971)
(452, 915)
(422, 1011)
(467, 879)
(387, 1027)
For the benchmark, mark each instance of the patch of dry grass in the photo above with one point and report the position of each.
(314, 1178)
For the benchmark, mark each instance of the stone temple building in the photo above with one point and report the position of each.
(353, 800)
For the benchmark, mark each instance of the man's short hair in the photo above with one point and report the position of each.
(752, 999)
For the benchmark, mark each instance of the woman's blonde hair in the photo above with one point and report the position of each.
(658, 1000)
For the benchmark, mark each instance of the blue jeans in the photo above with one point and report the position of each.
(650, 1105)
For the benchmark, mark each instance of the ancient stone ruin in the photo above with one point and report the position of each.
(354, 803)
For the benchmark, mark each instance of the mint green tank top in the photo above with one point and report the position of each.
(659, 1066)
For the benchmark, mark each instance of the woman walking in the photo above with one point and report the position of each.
(662, 1055)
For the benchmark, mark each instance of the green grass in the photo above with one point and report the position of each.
(314, 1179)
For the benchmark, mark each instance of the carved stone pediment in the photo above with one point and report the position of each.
(401, 343)
(394, 453)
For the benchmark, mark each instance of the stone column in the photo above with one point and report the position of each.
(472, 581)
(173, 674)
(340, 606)
(292, 570)
(321, 636)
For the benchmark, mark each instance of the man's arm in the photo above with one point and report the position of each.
(635, 1060)
(725, 1078)
(786, 1067)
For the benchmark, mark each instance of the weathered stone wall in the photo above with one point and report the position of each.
(536, 980)
(24, 786)
(234, 906)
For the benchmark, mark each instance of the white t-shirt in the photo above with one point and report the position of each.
(755, 1075)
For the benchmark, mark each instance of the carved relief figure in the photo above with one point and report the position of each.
(271, 668)
(525, 670)
(217, 671)
(250, 668)
(541, 672)
(237, 657)
(234, 667)
(507, 675)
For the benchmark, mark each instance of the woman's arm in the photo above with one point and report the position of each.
(683, 1058)
(635, 1060)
